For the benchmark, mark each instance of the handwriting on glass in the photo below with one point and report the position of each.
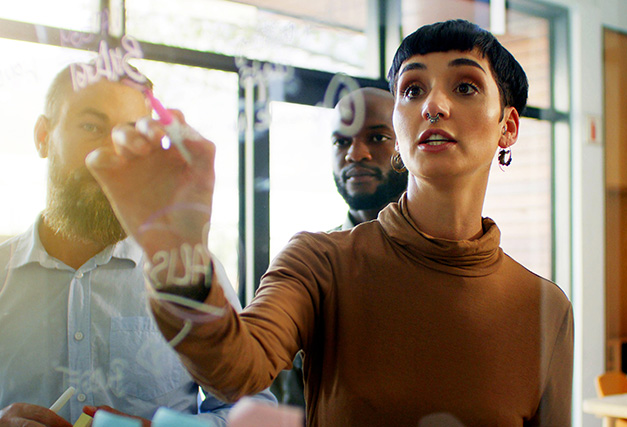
(352, 118)
(90, 381)
(111, 63)
(195, 261)
(269, 80)
(79, 39)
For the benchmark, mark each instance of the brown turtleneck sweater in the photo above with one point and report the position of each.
(397, 327)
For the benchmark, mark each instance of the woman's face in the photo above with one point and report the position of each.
(459, 89)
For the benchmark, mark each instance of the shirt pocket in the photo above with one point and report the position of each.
(141, 364)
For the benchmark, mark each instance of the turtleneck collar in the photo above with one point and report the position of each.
(474, 258)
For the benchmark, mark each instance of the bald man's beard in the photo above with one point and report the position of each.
(78, 210)
(390, 190)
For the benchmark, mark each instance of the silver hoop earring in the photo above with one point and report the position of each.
(433, 119)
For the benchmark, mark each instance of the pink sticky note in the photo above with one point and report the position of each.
(251, 413)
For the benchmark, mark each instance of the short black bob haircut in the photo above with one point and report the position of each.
(465, 36)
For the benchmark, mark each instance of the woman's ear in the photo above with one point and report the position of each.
(509, 126)
(42, 136)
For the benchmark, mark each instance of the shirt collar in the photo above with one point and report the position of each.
(348, 223)
(27, 248)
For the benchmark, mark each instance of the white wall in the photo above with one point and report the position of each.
(587, 20)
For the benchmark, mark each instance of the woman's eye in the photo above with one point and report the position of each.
(412, 91)
(467, 88)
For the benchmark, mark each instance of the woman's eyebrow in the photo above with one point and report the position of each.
(413, 66)
(460, 62)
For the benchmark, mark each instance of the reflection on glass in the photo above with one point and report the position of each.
(78, 15)
(73, 305)
(236, 29)
(25, 74)
(302, 192)
(208, 98)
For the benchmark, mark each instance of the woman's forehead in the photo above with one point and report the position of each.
(452, 58)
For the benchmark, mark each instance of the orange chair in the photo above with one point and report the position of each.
(612, 383)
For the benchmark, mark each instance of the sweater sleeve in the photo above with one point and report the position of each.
(556, 401)
(233, 355)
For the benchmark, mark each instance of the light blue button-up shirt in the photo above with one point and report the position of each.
(91, 329)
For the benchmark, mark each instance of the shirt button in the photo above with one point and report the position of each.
(78, 274)
(78, 336)
(81, 397)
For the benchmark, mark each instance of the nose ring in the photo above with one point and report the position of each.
(433, 119)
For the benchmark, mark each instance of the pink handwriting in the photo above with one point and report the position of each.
(110, 64)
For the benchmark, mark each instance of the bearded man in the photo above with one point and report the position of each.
(73, 304)
(363, 147)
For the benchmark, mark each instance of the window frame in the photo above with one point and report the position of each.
(384, 31)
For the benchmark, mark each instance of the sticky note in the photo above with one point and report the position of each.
(83, 421)
(165, 417)
(107, 419)
(251, 413)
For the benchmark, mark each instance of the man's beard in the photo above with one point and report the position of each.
(388, 191)
(77, 209)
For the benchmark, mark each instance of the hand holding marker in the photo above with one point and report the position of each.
(175, 131)
(172, 126)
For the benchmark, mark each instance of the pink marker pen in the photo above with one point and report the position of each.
(172, 126)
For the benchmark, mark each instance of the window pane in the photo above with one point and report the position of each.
(347, 13)
(526, 37)
(308, 39)
(25, 73)
(208, 98)
(79, 15)
(302, 192)
(519, 198)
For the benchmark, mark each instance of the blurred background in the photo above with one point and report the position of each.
(258, 78)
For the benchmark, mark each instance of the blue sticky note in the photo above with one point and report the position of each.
(165, 417)
(107, 419)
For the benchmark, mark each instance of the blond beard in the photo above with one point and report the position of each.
(78, 210)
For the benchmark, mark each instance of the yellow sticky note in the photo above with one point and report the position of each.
(83, 421)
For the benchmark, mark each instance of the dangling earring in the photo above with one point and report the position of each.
(397, 163)
(505, 157)
(505, 154)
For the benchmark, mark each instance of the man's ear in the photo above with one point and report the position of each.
(510, 125)
(42, 136)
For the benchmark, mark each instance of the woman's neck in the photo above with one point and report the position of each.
(450, 210)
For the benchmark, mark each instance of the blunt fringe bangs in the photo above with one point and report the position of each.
(465, 36)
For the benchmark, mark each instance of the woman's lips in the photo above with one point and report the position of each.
(434, 140)
(435, 135)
